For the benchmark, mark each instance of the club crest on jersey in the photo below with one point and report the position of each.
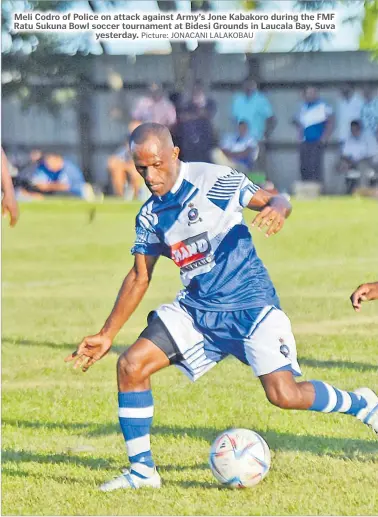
(193, 250)
(193, 215)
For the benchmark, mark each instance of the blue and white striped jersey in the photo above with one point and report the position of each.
(199, 225)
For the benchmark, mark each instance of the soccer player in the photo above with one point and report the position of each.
(364, 293)
(228, 305)
(8, 203)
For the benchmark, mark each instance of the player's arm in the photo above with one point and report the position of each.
(364, 293)
(274, 209)
(238, 155)
(329, 126)
(130, 295)
(133, 289)
(8, 204)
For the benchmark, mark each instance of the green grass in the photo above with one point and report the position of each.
(60, 278)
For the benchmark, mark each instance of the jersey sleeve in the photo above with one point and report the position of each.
(232, 190)
(146, 240)
(247, 190)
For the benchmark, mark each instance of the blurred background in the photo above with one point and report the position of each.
(278, 107)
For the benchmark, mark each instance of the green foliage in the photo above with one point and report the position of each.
(368, 39)
(38, 68)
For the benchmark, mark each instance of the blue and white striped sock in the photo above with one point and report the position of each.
(136, 409)
(331, 400)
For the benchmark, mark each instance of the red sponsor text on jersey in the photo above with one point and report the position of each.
(190, 250)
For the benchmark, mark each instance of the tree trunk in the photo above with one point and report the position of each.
(84, 111)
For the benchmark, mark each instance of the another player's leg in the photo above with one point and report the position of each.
(134, 368)
(282, 391)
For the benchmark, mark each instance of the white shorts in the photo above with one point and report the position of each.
(261, 338)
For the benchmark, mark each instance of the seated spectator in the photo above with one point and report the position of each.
(122, 169)
(194, 135)
(348, 108)
(359, 158)
(253, 106)
(55, 175)
(237, 150)
(155, 107)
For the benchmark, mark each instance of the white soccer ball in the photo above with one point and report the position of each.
(239, 458)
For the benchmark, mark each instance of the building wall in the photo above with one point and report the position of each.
(281, 76)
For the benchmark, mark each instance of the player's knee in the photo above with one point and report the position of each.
(282, 396)
(129, 368)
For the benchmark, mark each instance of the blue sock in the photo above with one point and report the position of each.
(331, 400)
(135, 413)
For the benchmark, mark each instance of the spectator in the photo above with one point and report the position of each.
(155, 107)
(348, 108)
(315, 124)
(359, 158)
(194, 135)
(55, 175)
(199, 101)
(122, 169)
(253, 107)
(237, 150)
(369, 111)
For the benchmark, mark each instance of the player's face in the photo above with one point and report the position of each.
(157, 164)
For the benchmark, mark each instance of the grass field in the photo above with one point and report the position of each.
(60, 430)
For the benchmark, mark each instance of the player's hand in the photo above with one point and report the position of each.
(90, 350)
(364, 293)
(9, 206)
(270, 218)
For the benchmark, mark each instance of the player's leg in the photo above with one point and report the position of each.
(169, 338)
(134, 369)
(117, 170)
(282, 391)
(134, 178)
(271, 351)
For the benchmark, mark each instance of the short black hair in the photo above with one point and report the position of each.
(356, 123)
(145, 131)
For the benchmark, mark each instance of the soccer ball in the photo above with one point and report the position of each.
(239, 458)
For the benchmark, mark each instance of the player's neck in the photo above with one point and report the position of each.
(178, 176)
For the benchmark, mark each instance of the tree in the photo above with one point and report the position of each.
(31, 69)
(316, 40)
(368, 38)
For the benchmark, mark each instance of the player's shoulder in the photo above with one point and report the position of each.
(146, 218)
(215, 179)
(203, 170)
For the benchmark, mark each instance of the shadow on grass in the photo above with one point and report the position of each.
(25, 474)
(342, 448)
(19, 457)
(119, 349)
(315, 363)
(30, 342)
(197, 484)
(116, 349)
